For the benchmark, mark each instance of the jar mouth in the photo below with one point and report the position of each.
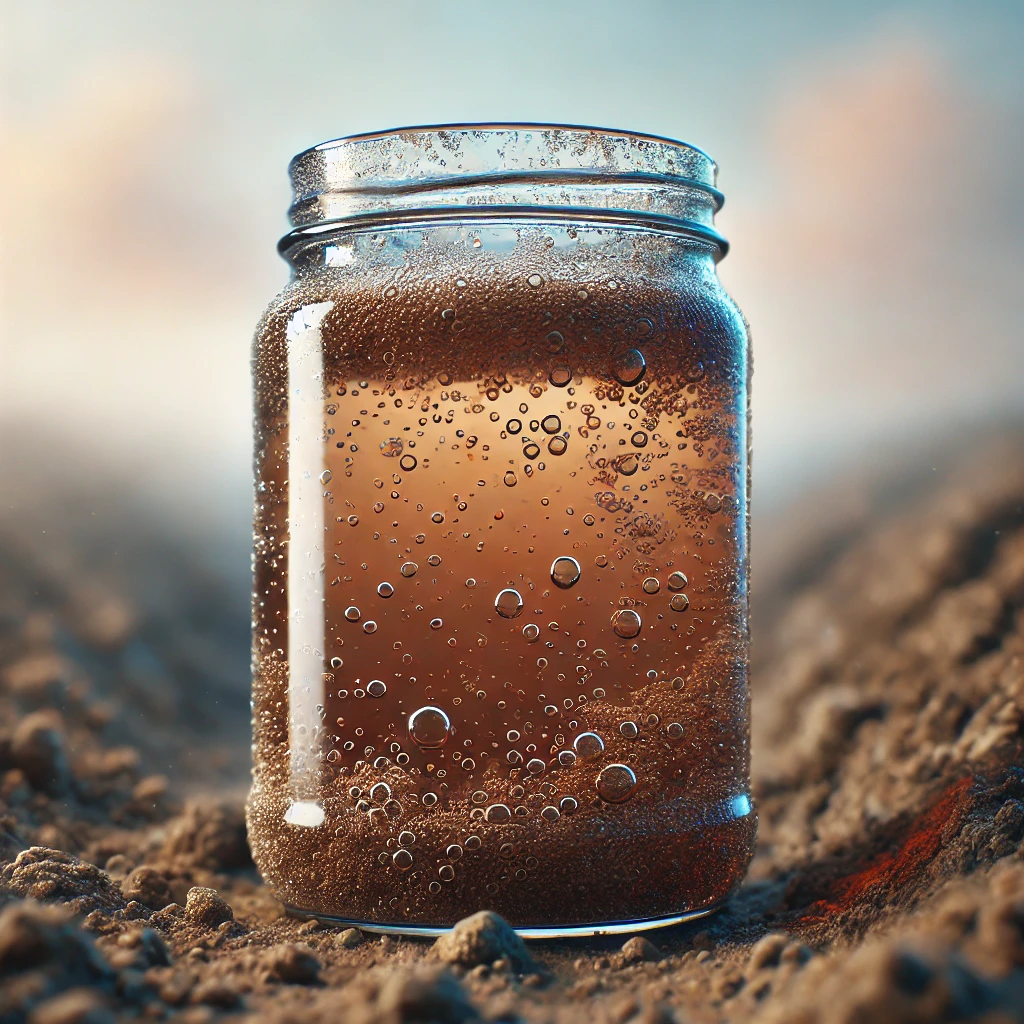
(457, 171)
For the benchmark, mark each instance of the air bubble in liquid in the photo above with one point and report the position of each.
(408, 569)
(352, 613)
(616, 783)
(565, 572)
(380, 792)
(385, 589)
(588, 744)
(679, 603)
(509, 478)
(436, 623)
(560, 375)
(471, 583)
(674, 730)
(651, 585)
(566, 758)
(353, 520)
(369, 626)
(402, 859)
(514, 426)
(509, 603)
(437, 517)
(408, 463)
(498, 814)
(627, 465)
(326, 476)
(558, 445)
(376, 688)
(535, 766)
(454, 852)
(568, 804)
(531, 450)
(378, 506)
(638, 439)
(535, 280)
(630, 367)
(551, 424)
(434, 560)
(629, 730)
(626, 623)
(677, 581)
(429, 728)
(406, 838)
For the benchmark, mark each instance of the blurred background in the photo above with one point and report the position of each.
(870, 153)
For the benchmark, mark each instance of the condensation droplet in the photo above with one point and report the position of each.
(532, 632)
(615, 783)
(565, 572)
(437, 517)
(402, 859)
(433, 560)
(677, 581)
(326, 476)
(376, 688)
(651, 585)
(638, 439)
(630, 367)
(588, 744)
(385, 589)
(568, 804)
(392, 447)
(514, 426)
(560, 375)
(509, 603)
(626, 623)
(679, 603)
(566, 758)
(674, 730)
(510, 478)
(408, 463)
(551, 424)
(352, 613)
(558, 445)
(436, 623)
(429, 728)
(629, 730)
(408, 569)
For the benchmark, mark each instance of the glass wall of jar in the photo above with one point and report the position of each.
(500, 608)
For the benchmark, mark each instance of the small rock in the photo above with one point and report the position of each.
(483, 938)
(350, 938)
(424, 994)
(206, 907)
(46, 875)
(149, 886)
(76, 1006)
(293, 963)
(767, 951)
(640, 950)
(37, 748)
(209, 835)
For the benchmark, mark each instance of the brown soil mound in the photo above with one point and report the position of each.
(888, 702)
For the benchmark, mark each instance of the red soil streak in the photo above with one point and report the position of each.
(896, 870)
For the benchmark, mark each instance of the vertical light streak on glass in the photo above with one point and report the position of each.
(305, 562)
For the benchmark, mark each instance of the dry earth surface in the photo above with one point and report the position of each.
(889, 777)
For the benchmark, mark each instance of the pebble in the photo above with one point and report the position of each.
(294, 963)
(350, 938)
(483, 938)
(206, 907)
(640, 950)
(424, 994)
(149, 887)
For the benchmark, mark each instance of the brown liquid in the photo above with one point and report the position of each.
(532, 479)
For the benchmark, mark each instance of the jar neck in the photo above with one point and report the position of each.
(504, 172)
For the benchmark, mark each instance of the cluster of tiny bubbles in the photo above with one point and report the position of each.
(630, 367)
(615, 783)
(391, 447)
(565, 572)
(532, 632)
(509, 603)
(429, 727)
(651, 585)
(352, 613)
(626, 623)
(376, 688)
(408, 569)
(588, 744)
(385, 589)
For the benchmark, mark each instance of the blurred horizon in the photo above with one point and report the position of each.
(869, 154)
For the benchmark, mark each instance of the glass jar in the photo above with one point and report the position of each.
(500, 615)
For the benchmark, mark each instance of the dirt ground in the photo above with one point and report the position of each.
(888, 772)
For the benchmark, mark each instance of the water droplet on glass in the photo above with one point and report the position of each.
(498, 814)
(616, 783)
(352, 613)
(392, 447)
(402, 859)
(627, 465)
(369, 626)
(558, 445)
(565, 572)
(385, 589)
(535, 766)
(630, 367)
(555, 341)
(674, 730)
(408, 569)
(378, 506)
(514, 426)
(550, 813)
(638, 439)
(429, 727)
(535, 280)
(626, 623)
(471, 583)
(437, 517)
(551, 424)
(509, 603)
(677, 581)
(588, 744)
(532, 632)
(436, 623)
(679, 603)
(566, 758)
(568, 804)
(408, 463)
(651, 585)
(353, 520)
(434, 560)
(326, 476)
(629, 730)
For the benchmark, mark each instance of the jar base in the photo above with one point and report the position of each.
(556, 931)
